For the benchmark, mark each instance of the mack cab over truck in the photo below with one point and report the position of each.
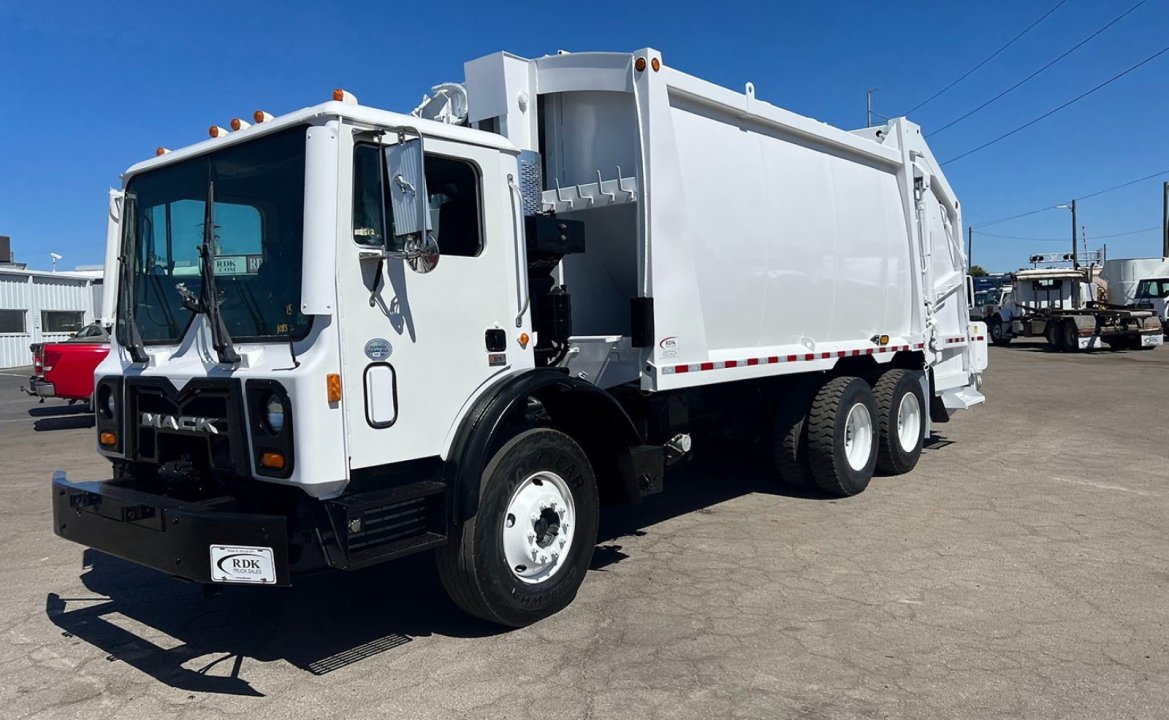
(345, 335)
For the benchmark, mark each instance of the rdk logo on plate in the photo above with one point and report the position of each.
(242, 564)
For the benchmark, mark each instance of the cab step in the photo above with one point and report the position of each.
(374, 527)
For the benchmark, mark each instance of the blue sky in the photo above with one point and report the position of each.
(91, 88)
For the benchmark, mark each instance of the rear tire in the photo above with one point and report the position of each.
(788, 447)
(1069, 335)
(901, 409)
(842, 436)
(528, 482)
(998, 334)
(1050, 336)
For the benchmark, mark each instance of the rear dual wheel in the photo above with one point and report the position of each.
(849, 430)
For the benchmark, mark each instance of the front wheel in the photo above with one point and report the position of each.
(525, 553)
(998, 334)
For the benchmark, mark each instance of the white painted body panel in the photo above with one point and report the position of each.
(1122, 275)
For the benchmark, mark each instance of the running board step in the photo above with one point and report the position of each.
(374, 527)
(962, 398)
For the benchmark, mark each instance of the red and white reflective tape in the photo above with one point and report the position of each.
(777, 359)
(956, 339)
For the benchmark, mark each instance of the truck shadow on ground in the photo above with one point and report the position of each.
(189, 640)
(61, 417)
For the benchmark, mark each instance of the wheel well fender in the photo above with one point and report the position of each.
(588, 414)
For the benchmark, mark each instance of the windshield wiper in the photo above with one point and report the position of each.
(209, 299)
(126, 260)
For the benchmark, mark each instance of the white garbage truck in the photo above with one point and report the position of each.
(346, 335)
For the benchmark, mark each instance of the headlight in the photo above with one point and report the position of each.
(275, 414)
(106, 402)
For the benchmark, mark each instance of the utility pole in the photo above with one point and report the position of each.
(1165, 223)
(969, 249)
(1075, 253)
(869, 106)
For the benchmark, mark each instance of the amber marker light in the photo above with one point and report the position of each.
(237, 124)
(342, 95)
(524, 340)
(217, 132)
(639, 64)
(160, 151)
(333, 385)
(108, 439)
(655, 64)
(262, 117)
(272, 460)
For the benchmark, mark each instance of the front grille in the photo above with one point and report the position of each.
(160, 443)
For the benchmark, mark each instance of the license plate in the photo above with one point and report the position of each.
(1151, 340)
(242, 564)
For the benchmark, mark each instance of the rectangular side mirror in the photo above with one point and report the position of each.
(409, 202)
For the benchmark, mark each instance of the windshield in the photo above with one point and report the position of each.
(257, 241)
(1149, 289)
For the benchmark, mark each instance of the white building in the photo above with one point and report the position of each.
(38, 306)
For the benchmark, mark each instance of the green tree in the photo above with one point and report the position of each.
(977, 271)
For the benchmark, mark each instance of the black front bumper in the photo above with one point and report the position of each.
(167, 534)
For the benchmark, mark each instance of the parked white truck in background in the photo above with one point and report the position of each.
(1121, 276)
(1152, 293)
(346, 335)
(1059, 305)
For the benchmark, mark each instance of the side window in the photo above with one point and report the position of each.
(453, 187)
(368, 204)
(453, 193)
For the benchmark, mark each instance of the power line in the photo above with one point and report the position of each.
(1081, 197)
(1123, 185)
(1067, 52)
(1064, 239)
(1053, 111)
(992, 56)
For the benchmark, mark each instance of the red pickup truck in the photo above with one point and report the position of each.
(65, 369)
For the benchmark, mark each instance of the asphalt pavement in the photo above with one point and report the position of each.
(1020, 571)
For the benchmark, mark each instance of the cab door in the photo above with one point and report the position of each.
(414, 349)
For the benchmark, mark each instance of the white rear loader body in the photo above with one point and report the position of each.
(345, 335)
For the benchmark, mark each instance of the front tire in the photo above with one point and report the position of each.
(525, 553)
(901, 409)
(998, 334)
(842, 436)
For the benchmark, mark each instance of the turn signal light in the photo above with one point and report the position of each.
(272, 460)
(108, 439)
(215, 131)
(333, 383)
(260, 116)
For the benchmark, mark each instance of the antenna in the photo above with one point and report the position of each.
(55, 257)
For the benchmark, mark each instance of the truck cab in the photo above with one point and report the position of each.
(1153, 294)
